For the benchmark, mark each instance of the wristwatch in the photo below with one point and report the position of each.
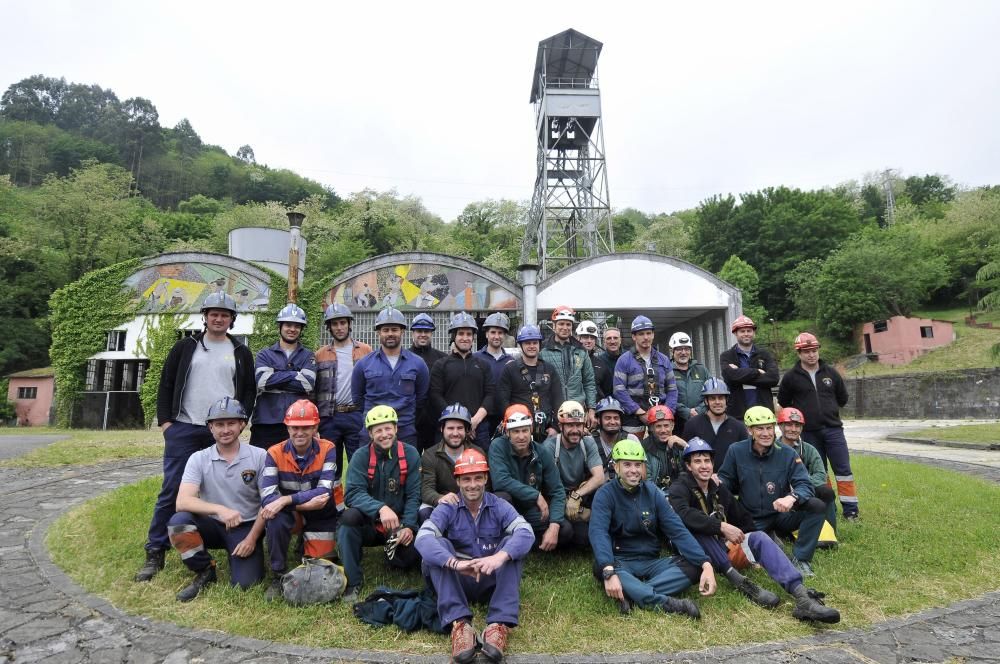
(608, 572)
(574, 495)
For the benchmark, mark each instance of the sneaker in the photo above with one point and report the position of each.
(852, 516)
(155, 560)
(205, 577)
(804, 568)
(352, 594)
(495, 641)
(275, 590)
(684, 607)
(464, 642)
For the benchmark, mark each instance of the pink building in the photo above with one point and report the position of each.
(899, 340)
(31, 392)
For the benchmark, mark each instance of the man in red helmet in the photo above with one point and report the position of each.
(663, 449)
(749, 371)
(818, 390)
(791, 421)
(473, 549)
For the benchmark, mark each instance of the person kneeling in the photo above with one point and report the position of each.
(726, 532)
(474, 550)
(628, 518)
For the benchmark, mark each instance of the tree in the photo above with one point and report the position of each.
(245, 154)
(33, 99)
(668, 235)
(187, 140)
(988, 276)
(741, 274)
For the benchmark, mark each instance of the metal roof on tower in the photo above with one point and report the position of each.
(566, 57)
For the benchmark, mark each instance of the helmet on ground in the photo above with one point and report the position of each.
(497, 320)
(470, 461)
(315, 581)
(456, 411)
(609, 405)
(219, 301)
(758, 415)
(226, 408)
(697, 444)
(302, 413)
(380, 415)
(529, 333)
(571, 411)
(658, 413)
(640, 323)
(628, 450)
(714, 386)
(679, 339)
(743, 321)
(390, 316)
(806, 341)
(337, 310)
(292, 313)
(422, 322)
(586, 327)
(562, 312)
(462, 320)
(790, 414)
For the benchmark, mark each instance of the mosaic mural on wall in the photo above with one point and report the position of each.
(183, 287)
(422, 286)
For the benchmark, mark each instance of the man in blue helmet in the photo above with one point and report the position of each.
(726, 532)
(285, 373)
(464, 377)
(496, 327)
(437, 463)
(531, 381)
(391, 376)
(198, 371)
(643, 378)
(715, 426)
(340, 419)
(422, 335)
(609, 431)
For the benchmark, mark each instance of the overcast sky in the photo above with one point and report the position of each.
(432, 98)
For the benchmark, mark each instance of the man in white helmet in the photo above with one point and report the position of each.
(586, 333)
(571, 362)
(690, 376)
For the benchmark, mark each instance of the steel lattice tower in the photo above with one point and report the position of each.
(570, 214)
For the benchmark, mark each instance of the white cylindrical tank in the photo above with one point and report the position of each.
(267, 246)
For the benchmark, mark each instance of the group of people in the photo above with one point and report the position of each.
(464, 461)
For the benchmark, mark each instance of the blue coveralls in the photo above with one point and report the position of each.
(281, 381)
(630, 385)
(375, 383)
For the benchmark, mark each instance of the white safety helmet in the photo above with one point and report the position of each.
(678, 339)
(586, 327)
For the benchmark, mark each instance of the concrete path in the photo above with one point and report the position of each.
(45, 617)
(870, 436)
(12, 446)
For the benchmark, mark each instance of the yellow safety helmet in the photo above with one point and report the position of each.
(380, 415)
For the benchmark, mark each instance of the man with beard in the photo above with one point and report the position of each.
(644, 377)
(586, 334)
(464, 377)
(664, 450)
(391, 376)
(473, 549)
(749, 371)
(532, 382)
(340, 419)
(422, 332)
(580, 468)
(285, 373)
(571, 361)
(527, 478)
(715, 426)
(791, 422)
(629, 518)
(726, 532)
(609, 431)
(382, 497)
(690, 376)
(437, 463)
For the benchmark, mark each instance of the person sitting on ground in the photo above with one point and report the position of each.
(437, 463)
(726, 532)
(218, 504)
(663, 449)
(628, 519)
(382, 497)
(791, 421)
(473, 550)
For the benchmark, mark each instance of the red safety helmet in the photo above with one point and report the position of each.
(302, 413)
(806, 341)
(471, 461)
(562, 312)
(743, 321)
(791, 415)
(658, 414)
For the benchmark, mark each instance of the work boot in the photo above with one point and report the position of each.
(351, 595)
(495, 641)
(155, 559)
(684, 607)
(275, 590)
(204, 578)
(463, 642)
(804, 568)
(755, 593)
(809, 606)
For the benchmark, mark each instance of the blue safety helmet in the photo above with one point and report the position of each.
(696, 444)
(462, 320)
(641, 323)
(292, 313)
(455, 411)
(714, 386)
(422, 322)
(220, 300)
(529, 333)
(337, 310)
(497, 320)
(226, 408)
(390, 316)
(608, 404)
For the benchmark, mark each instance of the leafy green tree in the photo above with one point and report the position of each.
(668, 235)
(741, 274)
(33, 99)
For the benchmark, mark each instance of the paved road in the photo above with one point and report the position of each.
(870, 436)
(12, 446)
(45, 617)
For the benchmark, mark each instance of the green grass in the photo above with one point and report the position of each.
(979, 434)
(33, 431)
(897, 560)
(87, 447)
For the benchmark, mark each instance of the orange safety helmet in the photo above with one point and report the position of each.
(806, 341)
(471, 461)
(791, 415)
(302, 413)
(657, 414)
(562, 312)
(743, 321)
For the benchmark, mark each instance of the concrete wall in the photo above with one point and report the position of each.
(943, 395)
